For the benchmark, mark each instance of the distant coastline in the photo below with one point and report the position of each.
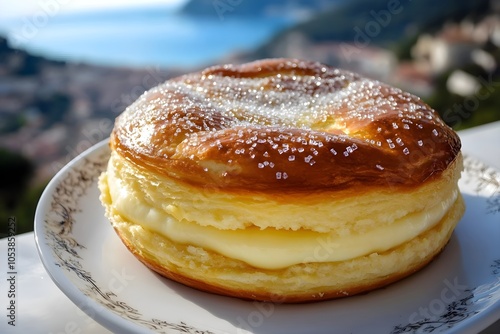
(153, 36)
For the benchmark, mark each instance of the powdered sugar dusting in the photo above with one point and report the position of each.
(275, 115)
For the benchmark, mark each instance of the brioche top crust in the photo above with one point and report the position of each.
(284, 124)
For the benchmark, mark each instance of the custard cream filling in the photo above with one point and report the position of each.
(272, 248)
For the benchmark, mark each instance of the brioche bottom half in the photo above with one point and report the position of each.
(209, 271)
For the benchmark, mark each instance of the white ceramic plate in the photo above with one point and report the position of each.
(459, 292)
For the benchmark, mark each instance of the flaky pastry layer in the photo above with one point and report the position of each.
(209, 271)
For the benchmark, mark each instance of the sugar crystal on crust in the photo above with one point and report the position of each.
(244, 118)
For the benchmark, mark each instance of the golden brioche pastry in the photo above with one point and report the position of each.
(282, 180)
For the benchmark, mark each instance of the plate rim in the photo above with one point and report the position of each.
(109, 320)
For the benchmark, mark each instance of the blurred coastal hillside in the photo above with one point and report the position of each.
(52, 110)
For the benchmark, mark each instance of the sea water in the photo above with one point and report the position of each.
(139, 37)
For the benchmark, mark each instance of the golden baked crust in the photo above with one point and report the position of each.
(284, 124)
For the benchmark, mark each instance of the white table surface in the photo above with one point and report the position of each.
(42, 308)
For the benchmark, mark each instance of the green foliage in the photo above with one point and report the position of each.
(462, 112)
(15, 169)
(402, 50)
(17, 199)
(11, 123)
(54, 107)
(30, 65)
(23, 211)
